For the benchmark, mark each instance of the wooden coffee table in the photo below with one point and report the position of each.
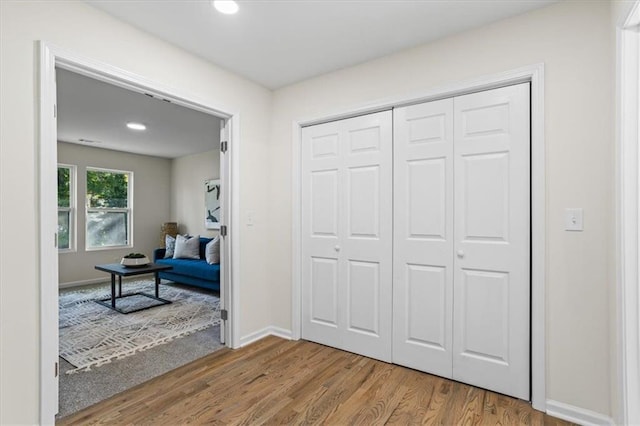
(122, 271)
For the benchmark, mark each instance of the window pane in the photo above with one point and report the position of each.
(63, 229)
(107, 189)
(64, 184)
(106, 229)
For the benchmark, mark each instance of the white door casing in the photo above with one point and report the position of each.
(423, 237)
(346, 231)
(492, 240)
(224, 219)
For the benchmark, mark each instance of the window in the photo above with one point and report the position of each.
(66, 207)
(109, 208)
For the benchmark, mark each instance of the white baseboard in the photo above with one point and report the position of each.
(267, 331)
(577, 415)
(83, 282)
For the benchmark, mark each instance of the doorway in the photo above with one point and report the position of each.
(50, 59)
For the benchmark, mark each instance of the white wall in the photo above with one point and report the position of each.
(151, 207)
(574, 41)
(86, 31)
(187, 190)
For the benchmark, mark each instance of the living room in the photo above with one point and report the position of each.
(124, 190)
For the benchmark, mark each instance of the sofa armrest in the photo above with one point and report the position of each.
(158, 254)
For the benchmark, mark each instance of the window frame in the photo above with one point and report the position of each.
(128, 210)
(72, 209)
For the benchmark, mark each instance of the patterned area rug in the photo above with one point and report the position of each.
(92, 334)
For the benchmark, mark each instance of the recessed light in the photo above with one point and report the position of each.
(83, 140)
(136, 126)
(228, 7)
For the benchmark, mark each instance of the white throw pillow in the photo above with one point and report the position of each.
(187, 247)
(212, 251)
(170, 244)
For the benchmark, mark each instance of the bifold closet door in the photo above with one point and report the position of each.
(346, 234)
(491, 296)
(462, 238)
(423, 237)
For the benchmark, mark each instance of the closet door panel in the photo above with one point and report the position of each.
(321, 224)
(347, 235)
(423, 237)
(492, 240)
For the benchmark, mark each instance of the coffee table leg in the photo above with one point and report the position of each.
(113, 291)
(119, 285)
(157, 284)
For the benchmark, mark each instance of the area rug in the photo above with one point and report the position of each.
(92, 335)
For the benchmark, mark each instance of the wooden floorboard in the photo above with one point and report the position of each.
(275, 381)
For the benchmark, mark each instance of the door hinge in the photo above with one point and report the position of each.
(56, 368)
(224, 314)
(55, 240)
(55, 111)
(223, 146)
(223, 230)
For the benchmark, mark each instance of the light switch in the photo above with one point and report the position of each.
(573, 220)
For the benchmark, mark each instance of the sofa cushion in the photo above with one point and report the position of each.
(193, 268)
(187, 247)
(203, 246)
(212, 251)
(170, 244)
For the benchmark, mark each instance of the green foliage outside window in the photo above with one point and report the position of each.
(64, 204)
(107, 189)
(108, 209)
(64, 185)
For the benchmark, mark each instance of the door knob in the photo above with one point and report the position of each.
(337, 248)
(460, 254)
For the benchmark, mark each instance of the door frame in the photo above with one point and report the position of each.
(533, 74)
(50, 57)
(627, 321)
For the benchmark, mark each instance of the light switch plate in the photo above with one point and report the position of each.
(573, 220)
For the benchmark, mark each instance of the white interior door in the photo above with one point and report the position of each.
(423, 237)
(347, 235)
(492, 240)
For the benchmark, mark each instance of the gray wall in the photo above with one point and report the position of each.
(164, 190)
(187, 190)
(151, 207)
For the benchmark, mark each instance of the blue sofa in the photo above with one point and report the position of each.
(190, 271)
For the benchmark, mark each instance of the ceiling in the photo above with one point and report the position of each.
(272, 42)
(279, 42)
(97, 111)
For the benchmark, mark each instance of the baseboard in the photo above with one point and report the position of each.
(267, 331)
(577, 415)
(83, 282)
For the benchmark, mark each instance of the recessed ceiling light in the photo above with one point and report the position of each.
(228, 7)
(136, 126)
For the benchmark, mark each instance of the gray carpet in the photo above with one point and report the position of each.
(85, 388)
(92, 334)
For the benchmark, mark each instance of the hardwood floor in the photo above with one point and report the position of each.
(275, 381)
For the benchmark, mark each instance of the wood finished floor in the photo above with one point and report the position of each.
(275, 381)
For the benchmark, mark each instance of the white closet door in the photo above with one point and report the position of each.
(423, 237)
(492, 233)
(347, 235)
